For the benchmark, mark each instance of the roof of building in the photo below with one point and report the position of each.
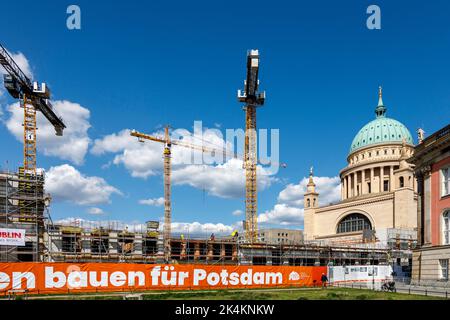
(381, 130)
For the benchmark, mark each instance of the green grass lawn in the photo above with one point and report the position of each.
(302, 294)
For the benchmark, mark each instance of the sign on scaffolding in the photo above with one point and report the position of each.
(12, 237)
(153, 225)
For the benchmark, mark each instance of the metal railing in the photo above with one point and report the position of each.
(400, 288)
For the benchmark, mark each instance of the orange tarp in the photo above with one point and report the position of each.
(97, 277)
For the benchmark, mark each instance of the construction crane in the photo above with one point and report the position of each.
(167, 173)
(252, 99)
(32, 96)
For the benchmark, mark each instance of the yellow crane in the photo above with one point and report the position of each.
(32, 96)
(252, 99)
(167, 154)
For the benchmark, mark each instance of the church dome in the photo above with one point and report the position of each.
(382, 130)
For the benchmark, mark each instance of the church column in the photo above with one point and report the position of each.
(371, 180)
(391, 178)
(363, 182)
(342, 188)
(358, 187)
(355, 182)
(381, 179)
(345, 188)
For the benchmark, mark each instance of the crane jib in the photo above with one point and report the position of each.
(18, 84)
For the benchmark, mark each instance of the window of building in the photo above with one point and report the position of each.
(446, 227)
(401, 181)
(445, 177)
(386, 185)
(354, 222)
(369, 187)
(443, 263)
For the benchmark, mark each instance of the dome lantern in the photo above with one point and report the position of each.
(382, 130)
(380, 111)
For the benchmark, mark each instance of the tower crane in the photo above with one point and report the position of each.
(167, 154)
(252, 99)
(32, 96)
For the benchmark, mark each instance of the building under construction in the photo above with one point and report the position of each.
(22, 206)
(76, 244)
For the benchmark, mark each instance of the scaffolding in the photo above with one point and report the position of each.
(309, 254)
(22, 206)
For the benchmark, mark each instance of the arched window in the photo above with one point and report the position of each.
(401, 181)
(308, 203)
(354, 222)
(446, 227)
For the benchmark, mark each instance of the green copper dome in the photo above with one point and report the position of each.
(381, 130)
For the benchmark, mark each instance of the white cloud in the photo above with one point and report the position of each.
(329, 190)
(65, 183)
(22, 62)
(95, 211)
(225, 181)
(237, 212)
(157, 202)
(72, 146)
(282, 214)
(289, 209)
(142, 160)
(194, 229)
(202, 229)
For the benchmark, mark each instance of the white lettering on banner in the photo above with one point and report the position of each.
(12, 237)
(18, 279)
(74, 277)
(4, 280)
(246, 278)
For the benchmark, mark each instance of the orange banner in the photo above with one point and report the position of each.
(96, 277)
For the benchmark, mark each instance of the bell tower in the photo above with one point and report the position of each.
(311, 203)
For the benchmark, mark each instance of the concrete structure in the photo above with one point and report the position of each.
(378, 189)
(286, 236)
(22, 206)
(432, 160)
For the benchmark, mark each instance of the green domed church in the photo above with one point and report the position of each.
(378, 188)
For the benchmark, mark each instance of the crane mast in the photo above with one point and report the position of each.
(167, 195)
(252, 99)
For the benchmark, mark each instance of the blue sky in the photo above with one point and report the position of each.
(139, 65)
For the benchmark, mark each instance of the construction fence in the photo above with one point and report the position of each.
(62, 278)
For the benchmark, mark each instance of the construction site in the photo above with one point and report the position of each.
(24, 205)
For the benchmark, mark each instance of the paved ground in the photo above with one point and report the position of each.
(255, 294)
(406, 288)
